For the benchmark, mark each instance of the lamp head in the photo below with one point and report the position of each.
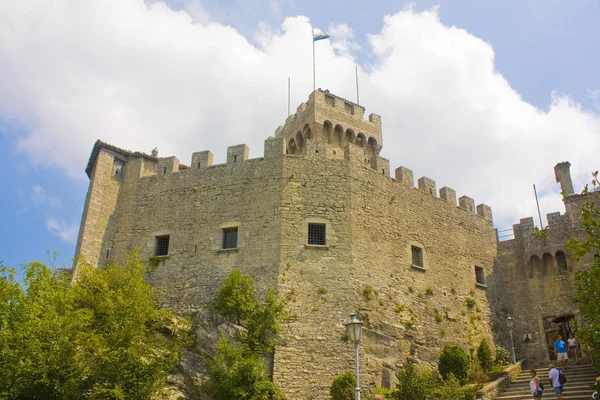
(510, 321)
(354, 328)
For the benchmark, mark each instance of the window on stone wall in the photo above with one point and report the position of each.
(161, 247)
(317, 234)
(561, 262)
(230, 236)
(479, 275)
(118, 167)
(417, 257)
(546, 263)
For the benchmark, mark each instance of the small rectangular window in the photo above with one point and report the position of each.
(230, 236)
(317, 234)
(417, 256)
(479, 275)
(162, 245)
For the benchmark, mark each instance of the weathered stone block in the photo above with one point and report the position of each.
(274, 147)
(448, 194)
(467, 203)
(427, 185)
(202, 159)
(405, 176)
(236, 154)
(485, 211)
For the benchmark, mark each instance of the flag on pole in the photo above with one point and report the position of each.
(320, 36)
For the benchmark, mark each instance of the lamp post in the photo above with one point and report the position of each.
(510, 323)
(354, 328)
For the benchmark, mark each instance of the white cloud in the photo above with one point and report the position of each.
(141, 75)
(595, 96)
(40, 197)
(66, 232)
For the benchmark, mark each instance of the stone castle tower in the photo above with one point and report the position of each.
(320, 219)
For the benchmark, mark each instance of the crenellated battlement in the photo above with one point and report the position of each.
(427, 185)
(558, 230)
(275, 149)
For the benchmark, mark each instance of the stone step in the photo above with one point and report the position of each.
(580, 378)
(570, 378)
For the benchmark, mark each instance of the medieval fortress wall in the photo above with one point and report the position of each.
(538, 276)
(417, 266)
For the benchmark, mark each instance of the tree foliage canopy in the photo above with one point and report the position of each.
(587, 282)
(454, 360)
(100, 336)
(343, 387)
(237, 370)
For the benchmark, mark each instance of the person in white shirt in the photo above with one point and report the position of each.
(534, 385)
(572, 343)
(553, 375)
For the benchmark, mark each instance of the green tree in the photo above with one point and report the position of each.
(263, 324)
(484, 354)
(235, 297)
(452, 390)
(101, 336)
(415, 384)
(236, 373)
(237, 370)
(343, 387)
(40, 335)
(587, 282)
(454, 360)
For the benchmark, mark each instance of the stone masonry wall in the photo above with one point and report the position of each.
(534, 286)
(409, 313)
(100, 204)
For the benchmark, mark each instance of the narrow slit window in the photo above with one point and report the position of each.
(317, 234)
(162, 245)
(479, 275)
(230, 236)
(561, 261)
(417, 257)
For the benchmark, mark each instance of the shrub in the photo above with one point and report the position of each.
(502, 356)
(438, 317)
(343, 386)
(484, 354)
(414, 384)
(385, 392)
(451, 390)
(470, 302)
(399, 308)
(368, 292)
(454, 360)
(476, 373)
(429, 292)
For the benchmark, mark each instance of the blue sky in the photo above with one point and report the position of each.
(73, 73)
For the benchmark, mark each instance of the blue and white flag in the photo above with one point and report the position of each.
(320, 36)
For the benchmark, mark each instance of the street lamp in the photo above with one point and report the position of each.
(510, 323)
(354, 328)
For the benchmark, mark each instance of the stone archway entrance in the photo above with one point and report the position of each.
(554, 326)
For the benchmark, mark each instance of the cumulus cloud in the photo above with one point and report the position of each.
(66, 232)
(140, 74)
(40, 197)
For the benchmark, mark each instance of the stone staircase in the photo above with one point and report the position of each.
(580, 377)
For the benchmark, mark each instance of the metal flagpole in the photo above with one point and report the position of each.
(357, 98)
(538, 206)
(288, 96)
(314, 78)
